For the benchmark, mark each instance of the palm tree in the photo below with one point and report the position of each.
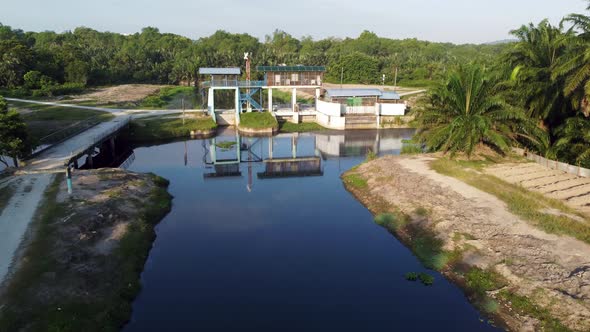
(575, 65)
(466, 112)
(574, 141)
(534, 59)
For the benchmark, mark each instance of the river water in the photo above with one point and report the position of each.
(281, 245)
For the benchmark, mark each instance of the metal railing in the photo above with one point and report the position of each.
(65, 133)
(233, 83)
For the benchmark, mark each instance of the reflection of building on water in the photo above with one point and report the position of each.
(289, 155)
(359, 143)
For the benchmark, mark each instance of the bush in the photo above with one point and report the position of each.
(59, 90)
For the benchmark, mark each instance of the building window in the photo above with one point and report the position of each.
(295, 77)
(277, 79)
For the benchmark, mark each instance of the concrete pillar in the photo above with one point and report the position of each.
(294, 146)
(89, 160)
(317, 97)
(239, 147)
(112, 146)
(212, 151)
(238, 106)
(270, 108)
(294, 99)
(211, 102)
(270, 147)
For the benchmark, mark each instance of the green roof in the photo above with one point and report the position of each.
(290, 68)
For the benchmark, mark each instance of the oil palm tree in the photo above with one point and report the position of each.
(574, 141)
(534, 60)
(466, 112)
(575, 65)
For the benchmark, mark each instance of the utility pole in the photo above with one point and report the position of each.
(182, 101)
(383, 80)
(341, 76)
(395, 80)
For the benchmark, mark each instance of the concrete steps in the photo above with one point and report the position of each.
(360, 121)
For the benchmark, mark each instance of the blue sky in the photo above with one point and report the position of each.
(458, 21)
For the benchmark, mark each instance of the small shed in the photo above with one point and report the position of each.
(222, 76)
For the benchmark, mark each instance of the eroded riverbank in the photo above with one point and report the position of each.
(527, 278)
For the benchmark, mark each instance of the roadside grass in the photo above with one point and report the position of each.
(258, 120)
(520, 201)
(289, 127)
(155, 128)
(46, 119)
(5, 195)
(22, 305)
(356, 181)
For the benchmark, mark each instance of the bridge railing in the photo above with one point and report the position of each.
(65, 133)
(124, 121)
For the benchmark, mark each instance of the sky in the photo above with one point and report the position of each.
(457, 21)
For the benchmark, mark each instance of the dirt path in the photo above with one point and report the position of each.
(553, 270)
(18, 214)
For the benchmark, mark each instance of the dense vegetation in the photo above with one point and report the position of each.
(544, 77)
(53, 63)
(14, 137)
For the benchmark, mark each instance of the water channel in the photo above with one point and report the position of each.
(263, 236)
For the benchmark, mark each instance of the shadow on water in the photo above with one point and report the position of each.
(264, 237)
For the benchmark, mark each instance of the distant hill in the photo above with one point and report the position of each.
(504, 41)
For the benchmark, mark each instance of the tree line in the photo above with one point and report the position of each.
(47, 61)
(536, 96)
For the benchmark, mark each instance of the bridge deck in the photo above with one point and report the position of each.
(57, 156)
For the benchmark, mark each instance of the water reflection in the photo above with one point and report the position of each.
(290, 155)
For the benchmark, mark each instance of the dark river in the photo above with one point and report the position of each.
(281, 245)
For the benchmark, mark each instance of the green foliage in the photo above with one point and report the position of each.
(481, 281)
(411, 276)
(15, 140)
(390, 221)
(258, 120)
(371, 155)
(466, 112)
(426, 279)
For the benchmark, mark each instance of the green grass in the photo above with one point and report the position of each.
(226, 145)
(481, 281)
(411, 148)
(154, 128)
(171, 98)
(289, 127)
(525, 306)
(426, 279)
(520, 201)
(258, 120)
(46, 119)
(356, 181)
(284, 97)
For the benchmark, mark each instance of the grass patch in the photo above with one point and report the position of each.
(153, 129)
(523, 203)
(171, 98)
(289, 127)
(481, 281)
(426, 279)
(258, 120)
(226, 145)
(46, 119)
(284, 97)
(411, 148)
(524, 306)
(355, 181)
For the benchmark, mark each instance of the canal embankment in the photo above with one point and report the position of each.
(78, 268)
(520, 257)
